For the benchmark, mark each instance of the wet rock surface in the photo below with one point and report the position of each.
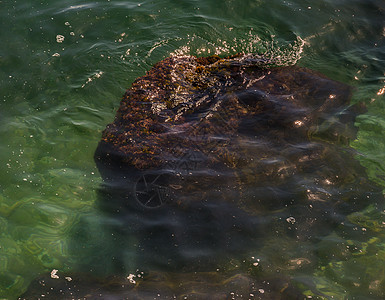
(188, 111)
(191, 118)
(197, 128)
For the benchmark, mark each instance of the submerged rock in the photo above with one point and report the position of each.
(191, 124)
(227, 150)
(208, 158)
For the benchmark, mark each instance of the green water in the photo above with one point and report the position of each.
(63, 68)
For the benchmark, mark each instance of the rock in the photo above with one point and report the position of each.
(209, 156)
(191, 124)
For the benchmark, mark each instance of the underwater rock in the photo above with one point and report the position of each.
(208, 158)
(191, 124)
(220, 138)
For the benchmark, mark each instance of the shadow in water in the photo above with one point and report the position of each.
(212, 242)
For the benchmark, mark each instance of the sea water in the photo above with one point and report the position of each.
(64, 66)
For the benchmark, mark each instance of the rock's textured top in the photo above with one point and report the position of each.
(208, 104)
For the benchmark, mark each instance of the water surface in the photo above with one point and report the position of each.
(64, 66)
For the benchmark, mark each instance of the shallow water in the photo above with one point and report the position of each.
(64, 66)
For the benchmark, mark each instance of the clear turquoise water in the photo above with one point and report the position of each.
(56, 97)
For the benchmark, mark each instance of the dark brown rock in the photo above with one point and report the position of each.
(208, 158)
(191, 120)
(238, 150)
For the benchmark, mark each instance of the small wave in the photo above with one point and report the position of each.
(272, 54)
